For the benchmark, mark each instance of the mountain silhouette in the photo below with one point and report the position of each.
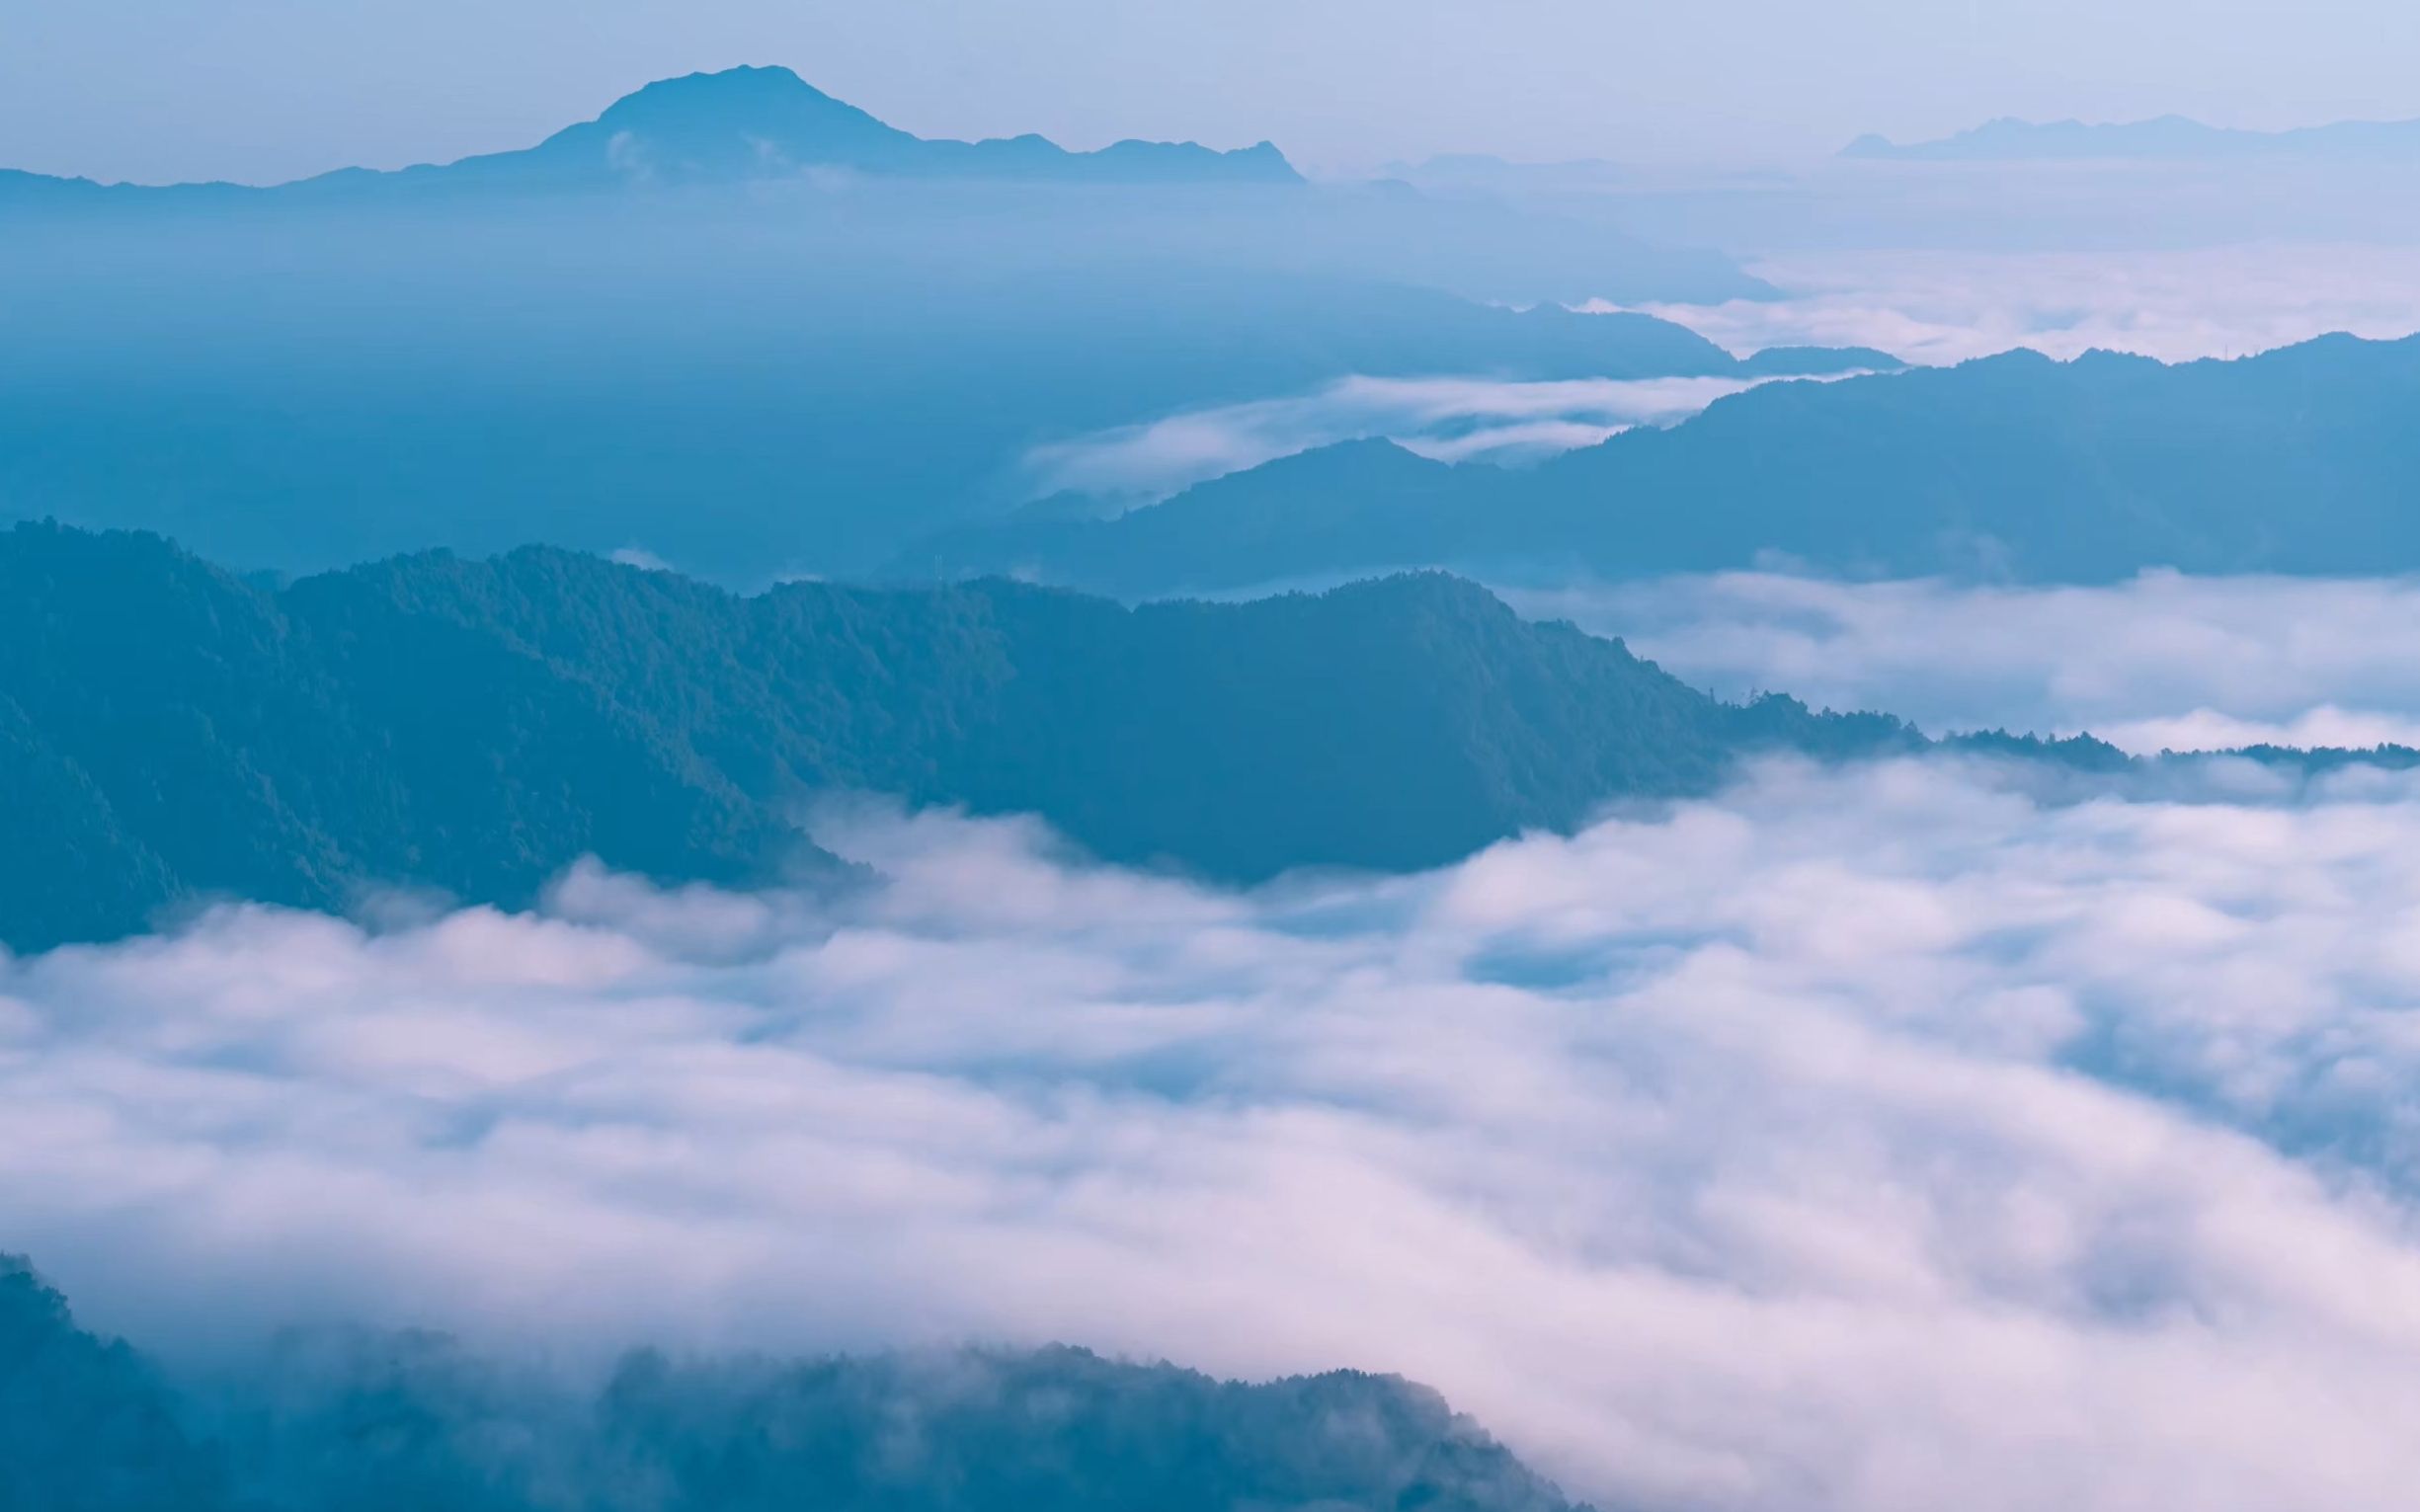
(737, 393)
(172, 733)
(2169, 138)
(737, 126)
(2300, 460)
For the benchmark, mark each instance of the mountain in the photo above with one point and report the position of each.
(2300, 460)
(1362, 506)
(2169, 138)
(672, 329)
(739, 325)
(85, 1424)
(761, 141)
(737, 126)
(740, 392)
(766, 122)
(176, 734)
(173, 733)
(373, 1423)
(181, 735)
(1815, 362)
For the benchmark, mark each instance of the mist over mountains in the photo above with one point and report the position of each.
(354, 1422)
(754, 399)
(737, 126)
(763, 138)
(2299, 461)
(756, 765)
(743, 327)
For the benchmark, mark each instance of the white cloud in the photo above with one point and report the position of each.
(1947, 306)
(2164, 660)
(1880, 1141)
(1452, 419)
(641, 558)
(2205, 728)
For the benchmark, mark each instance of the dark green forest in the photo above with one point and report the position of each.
(172, 733)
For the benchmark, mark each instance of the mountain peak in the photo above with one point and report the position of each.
(766, 122)
(700, 120)
(748, 86)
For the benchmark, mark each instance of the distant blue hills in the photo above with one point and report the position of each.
(2169, 138)
(2301, 460)
(732, 127)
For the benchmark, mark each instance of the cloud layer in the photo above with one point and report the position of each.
(1880, 1139)
(1450, 419)
(1947, 306)
(2164, 660)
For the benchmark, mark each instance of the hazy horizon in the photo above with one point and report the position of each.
(146, 92)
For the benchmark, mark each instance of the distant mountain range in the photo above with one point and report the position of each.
(717, 395)
(2301, 460)
(673, 329)
(360, 1422)
(2168, 137)
(737, 126)
(170, 734)
(763, 140)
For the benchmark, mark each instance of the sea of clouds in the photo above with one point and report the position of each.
(1884, 1138)
(2162, 662)
(2175, 304)
(1928, 307)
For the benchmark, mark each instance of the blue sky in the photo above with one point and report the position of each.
(267, 89)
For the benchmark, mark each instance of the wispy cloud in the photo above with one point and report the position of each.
(2163, 661)
(1453, 419)
(1880, 1139)
(1947, 306)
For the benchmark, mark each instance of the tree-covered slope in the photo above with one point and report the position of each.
(85, 1424)
(175, 733)
(413, 1423)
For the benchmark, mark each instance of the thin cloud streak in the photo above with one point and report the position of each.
(1451, 419)
(2164, 660)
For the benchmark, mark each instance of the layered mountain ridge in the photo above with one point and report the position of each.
(2300, 460)
(176, 735)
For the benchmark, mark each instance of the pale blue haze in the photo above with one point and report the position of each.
(260, 90)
